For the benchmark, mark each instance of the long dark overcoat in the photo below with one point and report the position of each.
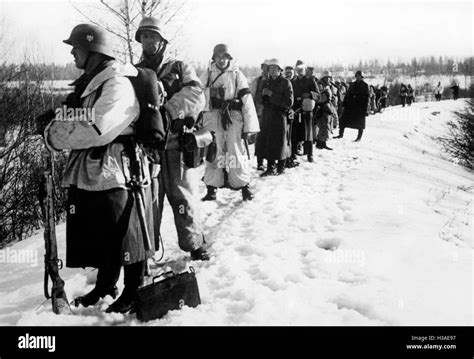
(355, 105)
(275, 130)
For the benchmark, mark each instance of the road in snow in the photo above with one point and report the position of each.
(373, 233)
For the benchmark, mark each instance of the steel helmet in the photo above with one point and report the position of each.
(221, 49)
(300, 63)
(91, 38)
(150, 24)
(274, 62)
(326, 74)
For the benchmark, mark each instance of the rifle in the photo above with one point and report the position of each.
(52, 263)
(246, 143)
(138, 189)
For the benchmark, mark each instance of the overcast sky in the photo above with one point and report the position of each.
(319, 32)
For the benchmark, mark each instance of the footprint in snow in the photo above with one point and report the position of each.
(330, 244)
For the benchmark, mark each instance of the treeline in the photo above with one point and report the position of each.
(43, 72)
(428, 66)
(20, 153)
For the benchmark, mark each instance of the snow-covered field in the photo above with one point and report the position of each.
(373, 233)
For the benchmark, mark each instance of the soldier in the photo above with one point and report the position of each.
(438, 91)
(256, 90)
(455, 89)
(103, 217)
(183, 103)
(355, 107)
(403, 94)
(305, 93)
(233, 119)
(410, 95)
(382, 102)
(289, 73)
(326, 112)
(277, 97)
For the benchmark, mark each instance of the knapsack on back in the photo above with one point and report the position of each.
(152, 125)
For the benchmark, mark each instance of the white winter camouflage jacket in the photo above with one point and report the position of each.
(114, 113)
(233, 80)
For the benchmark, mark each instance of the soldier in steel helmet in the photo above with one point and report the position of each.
(184, 100)
(102, 214)
(233, 119)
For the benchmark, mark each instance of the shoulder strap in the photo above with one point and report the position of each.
(214, 81)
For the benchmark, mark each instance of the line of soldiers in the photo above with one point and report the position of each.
(116, 189)
(296, 110)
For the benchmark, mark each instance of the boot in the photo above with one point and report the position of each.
(271, 169)
(133, 279)
(200, 254)
(211, 194)
(310, 159)
(341, 132)
(359, 136)
(281, 167)
(125, 303)
(291, 162)
(105, 285)
(260, 164)
(318, 144)
(323, 146)
(246, 194)
(94, 295)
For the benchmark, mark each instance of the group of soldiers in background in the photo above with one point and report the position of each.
(407, 95)
(296, 111)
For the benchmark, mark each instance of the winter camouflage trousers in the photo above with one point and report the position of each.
(231, 154)
(180, 184)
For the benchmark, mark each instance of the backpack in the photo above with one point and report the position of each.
(152, 125)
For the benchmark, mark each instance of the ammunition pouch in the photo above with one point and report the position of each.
(231, 105)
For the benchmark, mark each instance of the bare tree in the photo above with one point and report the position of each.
(121, 18)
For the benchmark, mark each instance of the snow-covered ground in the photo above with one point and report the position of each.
(373, 233)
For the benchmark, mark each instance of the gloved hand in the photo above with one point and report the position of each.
(178, 123)
(250, 137)
(43, 120)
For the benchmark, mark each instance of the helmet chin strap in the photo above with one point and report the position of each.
(86, 63)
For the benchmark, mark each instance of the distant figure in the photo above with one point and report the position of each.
(455, 89)
(438, 91)
(382, 102)
(403, 94)
(355, 107)
(410, 95)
